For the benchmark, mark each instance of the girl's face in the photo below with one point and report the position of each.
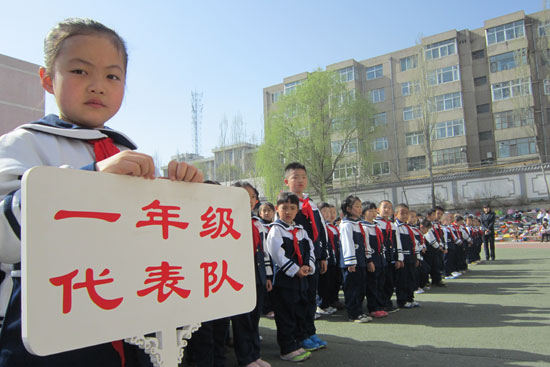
(87, 80)
(356, 209)
(334, 213)
(327, 214)
(266, 213)
(370, 215)
(252, 196)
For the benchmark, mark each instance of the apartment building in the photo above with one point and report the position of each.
(488, 93)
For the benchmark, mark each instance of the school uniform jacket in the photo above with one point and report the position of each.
(388, 229)
(321, 252)
(420, 239)
(408, 249)
(333, 246)
(375, 240)
(355, 248)
(280, 245)
(261, 258)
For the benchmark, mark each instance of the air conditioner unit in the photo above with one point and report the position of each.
(489, 154)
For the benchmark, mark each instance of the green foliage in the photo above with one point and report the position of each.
(302, 125)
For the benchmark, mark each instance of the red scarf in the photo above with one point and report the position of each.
(389, 232)
(307, 210)
(413, 239)
(364, 236)
(103, 149)
(379, 237)
(256, 239)
(296, 246)
(331, 236)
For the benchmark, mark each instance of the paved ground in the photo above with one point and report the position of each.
(498, 314)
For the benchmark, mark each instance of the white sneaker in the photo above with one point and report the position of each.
(408, 305)
(361, 319)
(415, 304)
(419, 291)
(450, 277)
(317, 315)
(456, 274)
(321, 311)
(330, 310)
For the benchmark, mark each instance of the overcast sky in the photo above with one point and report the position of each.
(231, 50)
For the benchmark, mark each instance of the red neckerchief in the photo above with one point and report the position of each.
(458, 232)
(364, 235)
(379, 237)
(296, 246)
(436, 233)
(307, 210)
(389, 232)
(256, 239)
(331, 238)
(413, 239)
(103, 149)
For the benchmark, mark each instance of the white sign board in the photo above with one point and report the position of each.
(107, 257)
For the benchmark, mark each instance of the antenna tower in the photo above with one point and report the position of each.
(196, 114)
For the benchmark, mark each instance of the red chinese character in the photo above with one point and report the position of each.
(165, 276)
(210, 278)
(163, 215)
(225, 221)
(66, 282)
(64, 214)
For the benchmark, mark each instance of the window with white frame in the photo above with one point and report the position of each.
(444, 157)
(544, 29)
(380, 119)
(444, 75)
(343, 171)
(516, 147)
(350, 148)
(505, 32)
(291, 87)
(508, 60)
(510, 119)
(346, 74)
(511, 88)
(416, 163)
(414, 138)
(380, 144)
(381, 168)
(410, 62)
(449, 101)
(409, 88)
(440, 49)
(374, 72)
(377, 95)
(547, 86)
(411, 113)
(449, 129)
(340, 99)
(276, 96)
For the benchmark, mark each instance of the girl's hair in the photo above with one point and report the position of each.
(247, 185)
(348, 203)
(268, 204)
(53, 43)
(426, 223)
(323, 204)
(288, 197)
(368, 205)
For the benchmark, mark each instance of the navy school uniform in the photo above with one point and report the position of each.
(388, 231)
(355, 251)
(315, 228)
(375, 280)
(422, 270)
(290, 291)
(433, 252)
(462, 249)
(453, 241)
(408, 252)
(331, 281)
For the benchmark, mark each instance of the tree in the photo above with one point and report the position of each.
(314, 125)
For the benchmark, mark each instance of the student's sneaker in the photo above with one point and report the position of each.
(361, 319)
(378, 314)
(450, 277)
(310, 345)
(315, 338)
(456, 274)
(419, 291)
(270, 315)
(415, 304)
(298, 355)
(330, 310)
(317, 315)
(260, 362)
(408, 305)
(320, 311)
(427, 288)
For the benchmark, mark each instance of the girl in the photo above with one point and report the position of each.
(356, 258)
(267, 212)
(85, 70)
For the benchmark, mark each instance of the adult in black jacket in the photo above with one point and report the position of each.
(488, 226)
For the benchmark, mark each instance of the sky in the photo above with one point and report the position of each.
(230, 50)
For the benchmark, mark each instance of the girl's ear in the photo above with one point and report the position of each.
(46, 80)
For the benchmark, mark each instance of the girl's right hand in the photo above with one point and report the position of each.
(129, 163)
(351, 269)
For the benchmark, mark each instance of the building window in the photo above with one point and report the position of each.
(443, 75)
(380, 119)
(344, 97)
(485, 135)
(516, 147)
(547, 86)
(276, 96)
(448, 101)
(479, 54)
(380, 144)
(346, 74)
(343, 171)
(509, 119)
(544, 28)
(480, 80)
(482, 108)
(410, 62)
(375, 72)
(512, 88)
(291, 87)
(416, 163)
(440, 49)
(449, 129)
(411, 113)
(350, 148)
(508, 60)
(505, 32)
(448, 156)
(381, 168)
(377, 95)
(414, 138)
(409, 88)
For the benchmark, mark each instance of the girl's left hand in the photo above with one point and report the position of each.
(181, 171)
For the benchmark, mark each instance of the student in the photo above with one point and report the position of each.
(266, 212)
(246, 333)
(488, 226)
(310, 218)
(385, 212)
(357, 259)
(85, 70)
(375, 280)
(435, 249)
(330, 282)
(424, 227)
(294, 259)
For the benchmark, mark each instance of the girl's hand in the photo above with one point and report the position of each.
(351, 269)
(399, 264)
(370, 267)
(181, 171)
(129, 163)
(269, 285)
